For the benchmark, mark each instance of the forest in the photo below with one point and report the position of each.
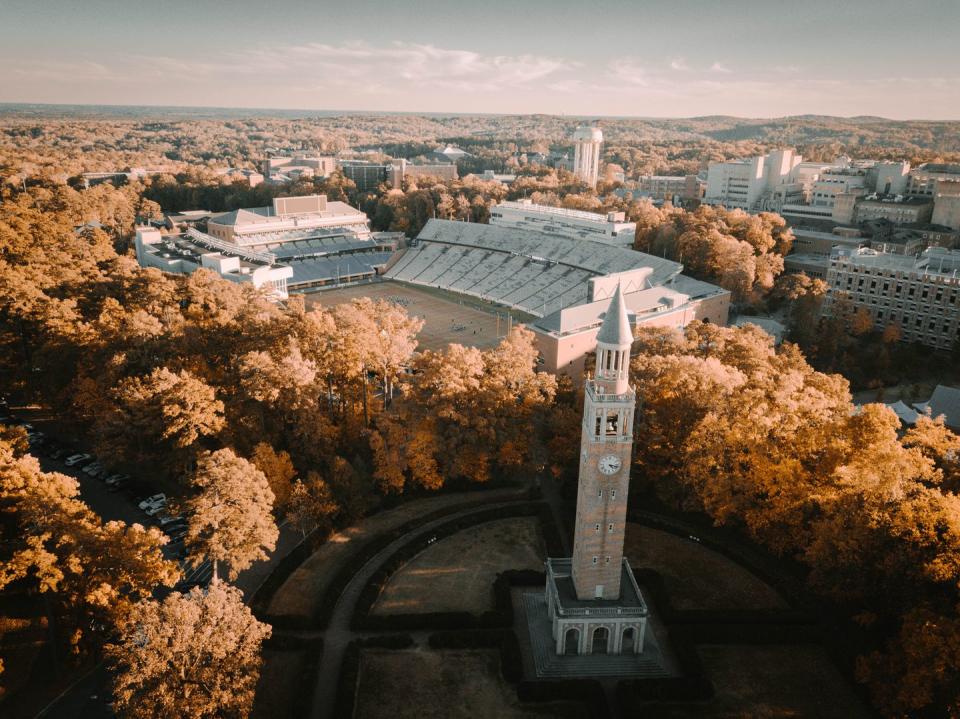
(322, 415)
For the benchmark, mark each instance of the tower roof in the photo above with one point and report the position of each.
(616, 325)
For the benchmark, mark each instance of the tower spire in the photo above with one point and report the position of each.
(616, 324)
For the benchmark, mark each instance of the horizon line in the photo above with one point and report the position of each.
(241, 108)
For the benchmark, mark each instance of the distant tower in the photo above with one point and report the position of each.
(605, 450)
(586, 156)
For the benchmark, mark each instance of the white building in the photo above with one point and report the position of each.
(764, 182)
(284, 169)
(610, 228)
(313, 243)
(303, 215)
(182, 254)
(586, 154)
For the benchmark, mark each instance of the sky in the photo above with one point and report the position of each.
(675, 58)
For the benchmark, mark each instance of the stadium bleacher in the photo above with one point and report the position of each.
(525, 270)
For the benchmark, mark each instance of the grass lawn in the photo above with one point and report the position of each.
(302, 594)
(456, 573)
(697, 577)
(769, 682)
(461, 684)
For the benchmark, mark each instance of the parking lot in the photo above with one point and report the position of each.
(111, 495)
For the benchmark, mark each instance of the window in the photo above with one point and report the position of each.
(610, 528)
(599, 492)
(598, 529)
(606, 560)
(613, 494)
(594, 560)
(612, 420)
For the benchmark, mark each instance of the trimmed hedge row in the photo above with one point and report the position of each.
(261, 599)
(350, 669)
(367, 551)
(589, 691)
(658, 596)
(693, 684)
(312, 650)
(500, 616)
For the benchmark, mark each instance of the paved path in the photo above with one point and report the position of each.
(339, 634)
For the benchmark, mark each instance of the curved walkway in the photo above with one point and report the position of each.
(338, 633)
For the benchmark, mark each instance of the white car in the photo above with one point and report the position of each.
(150, 501)
(76, 459)
(155, 508)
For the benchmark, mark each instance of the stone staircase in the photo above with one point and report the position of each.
(549, 665)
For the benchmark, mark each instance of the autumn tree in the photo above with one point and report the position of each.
(195, 655)
(95, 571)
(230, 516)
(278, 469)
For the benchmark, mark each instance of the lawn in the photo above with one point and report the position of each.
(769, 682)
(697, 577)
(456, 574)
(462, 684)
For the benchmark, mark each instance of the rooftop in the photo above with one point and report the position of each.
(630, 601)
(528, 206)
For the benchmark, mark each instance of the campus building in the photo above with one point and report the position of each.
(610, 228)
(287, 168)
(368, 175)
(675, 189)
(317, 243)
(921, 294)
(185, 253)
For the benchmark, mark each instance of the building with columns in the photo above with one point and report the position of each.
(586, 153)
(593, 600)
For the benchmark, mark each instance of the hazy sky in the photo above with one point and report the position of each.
(665, 58)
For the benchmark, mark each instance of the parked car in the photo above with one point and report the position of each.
(165, 520)
(109, 479)
(117, 485)
(153, 499)
(93, 469)
(54, 452)
(155, 509)
(77, 459)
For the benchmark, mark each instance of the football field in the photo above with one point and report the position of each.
(447, 318)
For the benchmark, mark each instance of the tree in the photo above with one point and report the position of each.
(95, 571)
(230, 516)
(192, 655)
(278, 469)
(167, 408)
(311, 504)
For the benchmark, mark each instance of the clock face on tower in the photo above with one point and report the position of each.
(609, 464)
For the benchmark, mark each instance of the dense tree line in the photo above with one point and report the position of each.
(732, 248)
(755, 438)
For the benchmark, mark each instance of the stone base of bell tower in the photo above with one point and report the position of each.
(570, 637)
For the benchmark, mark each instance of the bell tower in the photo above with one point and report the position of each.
(605, 451)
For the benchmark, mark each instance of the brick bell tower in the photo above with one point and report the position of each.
(605, 452)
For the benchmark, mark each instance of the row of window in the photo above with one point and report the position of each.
(609, 528)
(606, 560)
(613, 493)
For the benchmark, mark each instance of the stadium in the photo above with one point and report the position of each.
(469, 282)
